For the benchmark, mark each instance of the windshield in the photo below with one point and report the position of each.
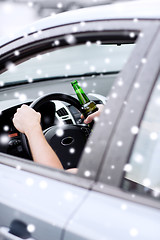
(77, 60)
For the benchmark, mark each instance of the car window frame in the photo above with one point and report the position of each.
(115, 25)
(102, 137)
(119, 158)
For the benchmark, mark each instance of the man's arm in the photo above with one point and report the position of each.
(27, 121)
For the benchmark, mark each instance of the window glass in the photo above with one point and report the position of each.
(95, 65)
(82, 59)
(144, 164)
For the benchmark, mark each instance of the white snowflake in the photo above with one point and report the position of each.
(92, 68)
(69, 196)
(39, 71)
(30, 4)
(134, 130)
(132, 34)
(40, 93)
(4, 139)
(135, 20)
(84, 84)
(136, 85)
(87, 173)
(120, 82)
(82, 24)
(29, 182)
(107, 111)
(107, 60)
(88, 149)
(16, 53)
(133, 232)
(39, 57)
(59, 5)
(157, 101)
(88, 43)
(22, 97)
(6, 128)
(119, 143)
(158, 86)
(141, 35)
(156, 192)
(114, 95)
(56, 42)
(43, 184)
(153, 136)
(31, 228)
(98, 42)
(96, 119)
(59, 132)
(74, 29)
(112, 167)
(101, 186)
(138, 158)
(18, 167)
(1, 83)
(72, 150)
(30, 79)
(102, 124)
(127, 167)
(146, 182)
(143, 60)
(11, 67)
(70, 39)
(124, 206)
(136, 66)
(68, 67)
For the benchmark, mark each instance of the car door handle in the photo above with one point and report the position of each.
(6, 235)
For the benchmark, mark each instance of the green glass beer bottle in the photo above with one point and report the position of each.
(88, 107)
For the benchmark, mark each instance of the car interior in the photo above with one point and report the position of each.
(43, 78)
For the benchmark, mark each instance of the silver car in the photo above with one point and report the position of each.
(113, 51)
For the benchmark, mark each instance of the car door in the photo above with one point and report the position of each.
(43, 200)
(128, 184)
(123, 203)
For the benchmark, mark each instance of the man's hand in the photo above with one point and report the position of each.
(26, 119)
(93, 115)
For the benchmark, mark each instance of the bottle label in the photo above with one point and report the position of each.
(89, 108)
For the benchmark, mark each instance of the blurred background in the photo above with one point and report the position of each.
(15, 14)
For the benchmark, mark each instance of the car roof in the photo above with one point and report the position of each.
(139, 9)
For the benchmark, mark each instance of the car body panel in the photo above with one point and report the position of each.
(105, 218)
(22, 191)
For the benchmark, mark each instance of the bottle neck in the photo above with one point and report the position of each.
(83, 99)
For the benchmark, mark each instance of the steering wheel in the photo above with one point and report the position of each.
(68, 145)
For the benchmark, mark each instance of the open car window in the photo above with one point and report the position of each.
(95, 64)
(142, 173)
(88, 58)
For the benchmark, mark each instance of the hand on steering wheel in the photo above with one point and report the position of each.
(69, 144)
